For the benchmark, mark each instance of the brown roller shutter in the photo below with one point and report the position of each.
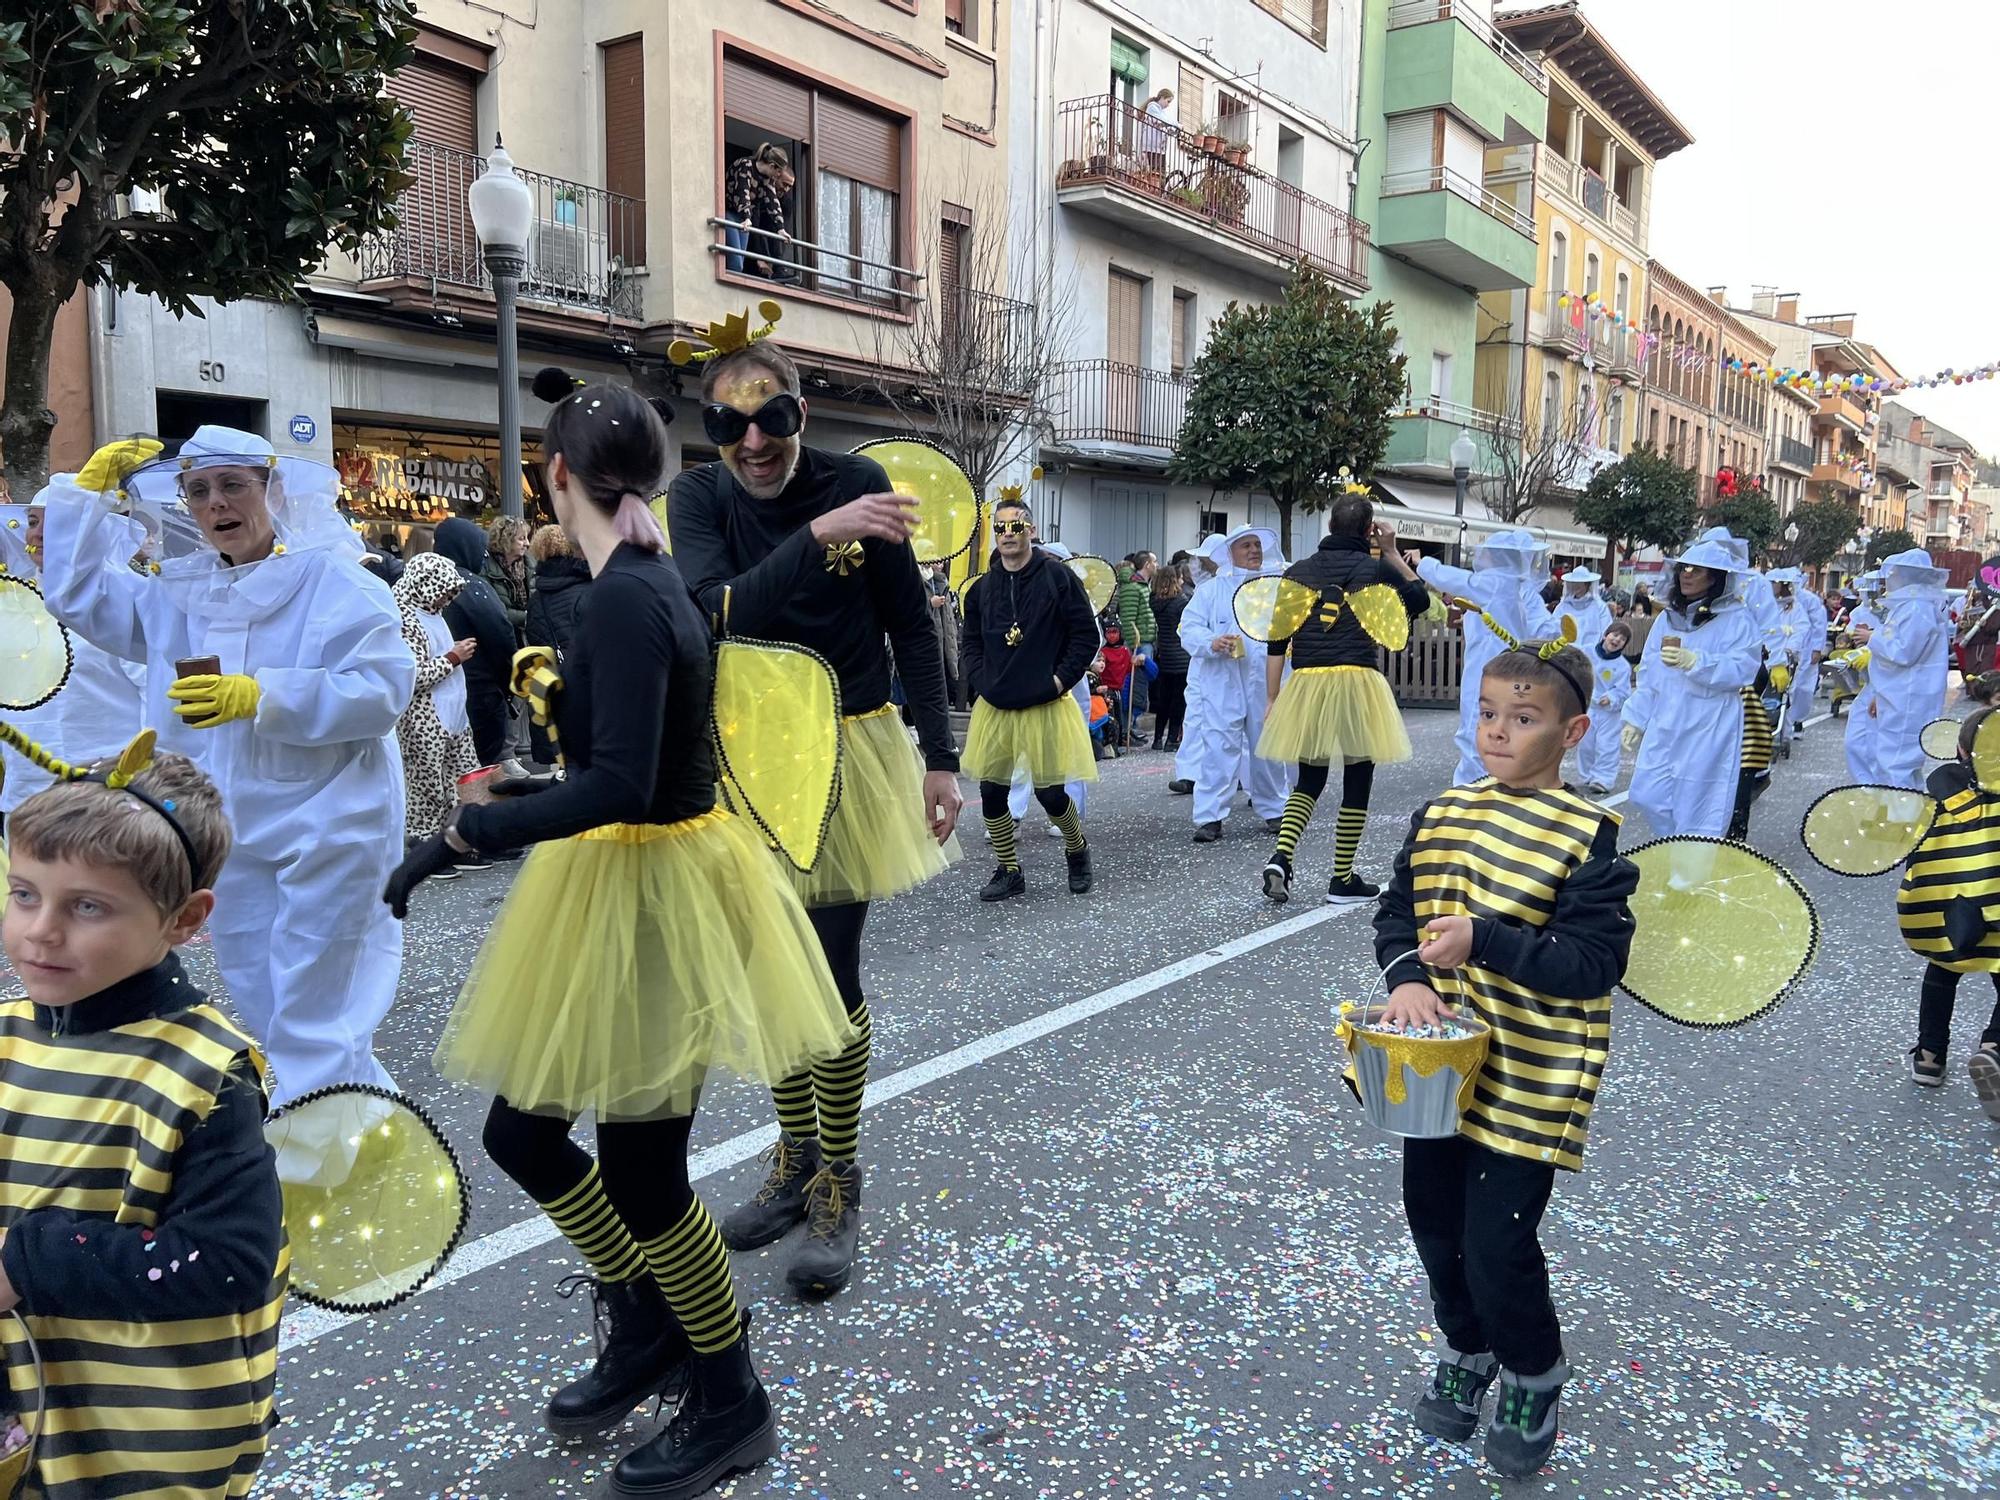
(440, 98)
(860, 144)
(1191, 98)
(765, 100)
(1125, 335)
(625, 145)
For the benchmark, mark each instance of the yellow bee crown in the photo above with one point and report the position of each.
(1349, 485)
(1013, 491)
(732, 333)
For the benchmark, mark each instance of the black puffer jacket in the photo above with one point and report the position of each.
(559, 594)
(477, 611)
(1343, 564)
(1168, 653)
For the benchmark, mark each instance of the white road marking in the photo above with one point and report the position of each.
(310, 1323)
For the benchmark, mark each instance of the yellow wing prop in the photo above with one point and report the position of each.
(965, 587)
(777, 742)
(374, 1199)
(658, 506)
(1721, 933)
(1867, 830)
(947, 508)
(1940, 739)
(1100, 580)
(1272, 609)
(34, 648)
(1986, 756)
(1380, 610)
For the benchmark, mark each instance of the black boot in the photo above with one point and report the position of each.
(724, 1427)
(833, 1230)
(641, 1353)
(781, 1201)
(1080, 878)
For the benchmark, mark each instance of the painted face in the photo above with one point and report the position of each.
(1524, 727)
(762, 464)
(72, 929)
(231, 506)
(1247, 552)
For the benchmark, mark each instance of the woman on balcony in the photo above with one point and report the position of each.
(755, 204)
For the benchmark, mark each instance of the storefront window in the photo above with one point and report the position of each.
(397, 485)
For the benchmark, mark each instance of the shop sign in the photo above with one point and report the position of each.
(392, 482)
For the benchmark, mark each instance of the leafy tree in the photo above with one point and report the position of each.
(1285, 396)
(261, 125)
(1889, 543)
(1750, 515)
(1643, 500)
(1826, 526)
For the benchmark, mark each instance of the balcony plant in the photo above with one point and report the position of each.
(565, 201)
(1227, 195)
(1210, 138)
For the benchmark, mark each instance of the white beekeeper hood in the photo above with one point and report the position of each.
(1793, 576)
(1056, 549)
(303, 495)
(1581, 575)
(1908, 572)
(1518, 553)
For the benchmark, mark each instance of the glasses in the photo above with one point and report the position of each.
(779, 417)
(199, 490)
(1013, 528)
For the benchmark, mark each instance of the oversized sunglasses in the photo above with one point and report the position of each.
(1013, 528)
(779, 417)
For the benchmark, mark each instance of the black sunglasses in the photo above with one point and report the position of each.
(779, 417)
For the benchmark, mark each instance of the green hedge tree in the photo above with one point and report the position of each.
(1826, 526)
(1888, 543)
(1643, 500)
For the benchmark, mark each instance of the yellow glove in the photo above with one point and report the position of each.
(1629, 740)
(1781, 678)
(1677, 656)
(1858, 659)
(207, 701)
(110, 466)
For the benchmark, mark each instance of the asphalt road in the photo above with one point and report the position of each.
(1124, 1235)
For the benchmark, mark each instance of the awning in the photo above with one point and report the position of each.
(1424, 513)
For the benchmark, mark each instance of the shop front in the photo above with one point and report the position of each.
(399, 483)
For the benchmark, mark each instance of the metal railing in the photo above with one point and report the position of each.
(1105, 140)
(582, 243)
(832, 271)
(1795, 452)
(1443, 179)
(1557, 327)
(988, 339)
(1105, 401)
(1418, 12)
(1472, 418)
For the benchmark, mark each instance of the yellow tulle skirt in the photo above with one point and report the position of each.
(631, 959)
(879, 843)
(1327, 715)
(1050, 741)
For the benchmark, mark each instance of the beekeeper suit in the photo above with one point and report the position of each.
(1799, 639)
(1505, 580)
(1021, 791)
(297, 729)
(1226, 689)
(1688, 704)
(1909, 663)
(1580, 602)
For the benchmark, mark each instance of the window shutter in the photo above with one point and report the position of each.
(1191, 98)
(859, 144)
(1182, 304)
(765, 100)
(951, 241)
(1125, 341)
(1128, 61)
(1465, 155)
(625, 144)
(440, 99)
(954, 15)
(1409, 147)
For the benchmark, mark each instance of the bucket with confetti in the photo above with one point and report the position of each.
(20, 1429)
(1412, 1082)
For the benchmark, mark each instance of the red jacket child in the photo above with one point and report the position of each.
(1117, 660)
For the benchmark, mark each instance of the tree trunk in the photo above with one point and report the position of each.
(25, 418)
(1284, 527)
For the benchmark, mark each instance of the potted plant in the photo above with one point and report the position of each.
(1237, 153)
(1210, 139)
(566, 205)
(1190, 197)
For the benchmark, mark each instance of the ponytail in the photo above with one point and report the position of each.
(636, 524)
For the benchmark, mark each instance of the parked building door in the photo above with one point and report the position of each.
(1124, 346)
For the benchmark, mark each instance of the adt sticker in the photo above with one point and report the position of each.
(303, 429)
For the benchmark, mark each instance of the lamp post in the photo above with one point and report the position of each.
(1463, 452)
(502, 206)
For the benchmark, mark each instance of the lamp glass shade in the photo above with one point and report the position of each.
(1464, 452)
(502, 205)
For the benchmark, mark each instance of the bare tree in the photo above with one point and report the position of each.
(1535, 460)
(984, 347)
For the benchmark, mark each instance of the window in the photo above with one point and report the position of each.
(625, 143)
(1592, 271)
(1614, 422)
(1191, 100)
(1552, 405)
(439, 89)
(1129, 72)
(1187, 336)
(1653, 429)
(1440, 378)
(1406, 163)
(1234, 120)
(845, 208)
(1559, 262)
(954, 228)
(961, 18)
(1623, 309)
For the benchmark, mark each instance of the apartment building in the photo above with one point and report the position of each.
(1564, 355)
(1157, 220)
(624, 118)
(1699, 411)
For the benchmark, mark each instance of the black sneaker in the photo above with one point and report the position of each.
(1180, 786)
(449, 872)
(508, 856)
(1349, 889)
(1005, 883)
(1983, 1067)
(1450, 1407)
(1080, 878)
(1926, 1070)
(781, 1201)
(1207, 833)
(471, 862)
(1278, 879)
(1523, 1431)
(833, 1231)
(1273, 825)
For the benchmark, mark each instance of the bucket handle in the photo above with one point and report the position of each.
(1344, 1028)
(41, 1390)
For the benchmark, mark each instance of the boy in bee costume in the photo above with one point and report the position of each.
(1335, 709)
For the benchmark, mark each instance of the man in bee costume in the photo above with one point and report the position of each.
(1029, 638)
(783, 542)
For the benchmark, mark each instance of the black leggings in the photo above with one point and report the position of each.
(839, 929)
(1357, 781)
(1169, 706)
(643, 1163)
(1939, 997)
(993, 799)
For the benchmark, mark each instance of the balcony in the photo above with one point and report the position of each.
(1420, 439)
(987, 342)
(1146, 175)
(1550, 325)
(1842, 412)
(1445, 55)
(1101, 404)
(1625, 361)
(1847, 481)
(1591, 193)
(584, 241)
(1793, 456)
(1456, 228)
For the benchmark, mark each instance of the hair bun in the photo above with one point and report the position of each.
(553, 384)
(663, 406)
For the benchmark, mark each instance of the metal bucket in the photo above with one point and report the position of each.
(16, 1466)
(1412, 1086)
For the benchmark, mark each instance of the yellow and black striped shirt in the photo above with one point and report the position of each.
(92, 1129)
(1538, 871)
(1958, 861)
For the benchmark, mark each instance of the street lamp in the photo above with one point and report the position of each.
(1463, 452)
(502, 208)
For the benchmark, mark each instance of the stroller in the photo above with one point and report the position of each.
(1774, 688)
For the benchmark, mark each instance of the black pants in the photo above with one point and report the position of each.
(1474, 1213)
(643, 1163)
(993, 800)
(486, 707)
(839, 929)
(1934, 1010)
(1169, 706)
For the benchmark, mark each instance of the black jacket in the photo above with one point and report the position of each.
(477, 611)
(1168, 654)
(1343, 565)
(1057, 633)
(559, 593)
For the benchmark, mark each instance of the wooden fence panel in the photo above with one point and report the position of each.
(1429, 668)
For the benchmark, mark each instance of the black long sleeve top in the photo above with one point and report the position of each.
(755, 569)
(1058, 633)
(632, 717)
(1167, 649)
(1344, 565)
(223, 1205)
